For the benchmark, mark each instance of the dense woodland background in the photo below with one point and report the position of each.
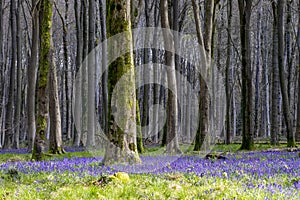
(253, 44)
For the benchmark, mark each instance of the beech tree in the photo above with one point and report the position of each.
(31, 76)
(121, 146)
(245, 9)
(47, 89)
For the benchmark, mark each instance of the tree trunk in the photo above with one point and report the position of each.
(66, 69)
(91, 77)
(245, 15)
(77, 113)
(228, 75)
(55, 145)
(298, 105)
(84, 73)
(44, 64)
(284, 92)
(19, 78)
(31, 76)
(275, 82)
(202, 140)
(257, 102)
(172, 109)
(121, 146)
(104, 65)
(9, 123)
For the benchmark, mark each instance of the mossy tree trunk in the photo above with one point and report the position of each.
(121, 146)
(44, 65)
(47, 70)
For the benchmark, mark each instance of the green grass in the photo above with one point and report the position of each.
(172, 186)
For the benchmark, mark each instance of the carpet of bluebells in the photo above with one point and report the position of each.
(271, 171)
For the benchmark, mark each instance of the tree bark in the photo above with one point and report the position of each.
(42, 93)
(228, 75)
(77, 96)
(275, 82)
(284, 92)
(205, 42)
(172, 109)
(247, 132)
(19, 77)
(298, 104)
(31, 76)
(91, 77)
(9, 122)
(55, 145)
(104, 65)
(121, 146)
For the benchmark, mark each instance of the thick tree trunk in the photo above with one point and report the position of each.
(121, 146)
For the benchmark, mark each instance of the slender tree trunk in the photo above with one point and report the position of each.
(228, 75)
(31, 75)
(44, 63)
(172, 110)
(275, 81)
(1, 39)
(298, 105)
(66, 69)
(78, 99)
(91, 77)
(205, 42)
(266, 80)
(9, 123)
(84, 72)
(104, 65)
(19, 78)
(284, 92)
(257, 101)
(245, 15)
(55, 145)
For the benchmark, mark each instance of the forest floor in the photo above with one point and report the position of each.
(267, 173)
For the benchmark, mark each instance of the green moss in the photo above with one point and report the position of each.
(136, 12)
(132, 147)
